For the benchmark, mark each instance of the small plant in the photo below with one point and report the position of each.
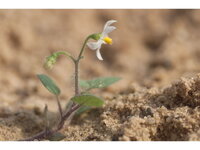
(82, 99)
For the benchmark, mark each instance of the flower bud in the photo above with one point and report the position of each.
(50, 61)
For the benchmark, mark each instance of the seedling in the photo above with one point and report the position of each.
(82, 99)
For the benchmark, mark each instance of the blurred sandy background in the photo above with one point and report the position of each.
(151, 48)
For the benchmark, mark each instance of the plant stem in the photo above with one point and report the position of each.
(76, 63)
(76, 78)
(83, 47)
(59, 106)
(66, 116)
(46, 117)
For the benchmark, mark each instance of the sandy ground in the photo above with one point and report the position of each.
(156, 52)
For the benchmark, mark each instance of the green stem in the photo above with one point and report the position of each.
(83, 47)
(59, 106)
(67, 54)
(46, 117)
(76, 78)
(76, 63)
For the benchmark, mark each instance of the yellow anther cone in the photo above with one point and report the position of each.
(108, 40)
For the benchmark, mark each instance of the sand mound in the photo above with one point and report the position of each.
(170, 113)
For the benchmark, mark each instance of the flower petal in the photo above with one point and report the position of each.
(108, 23)
(94, 45)
(99, 54)
(108, 30)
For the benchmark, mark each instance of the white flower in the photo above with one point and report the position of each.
(104, 39)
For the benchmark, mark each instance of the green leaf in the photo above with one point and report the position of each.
(57, 137)
(88, 100)
(84, 84)
(82, 109)
(98, 82)
(49, 84)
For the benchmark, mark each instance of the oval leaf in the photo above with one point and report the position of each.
(88, 100)
(49, 84)
(98, 82)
